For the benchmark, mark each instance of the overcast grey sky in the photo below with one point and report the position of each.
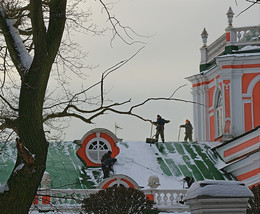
(170, 55)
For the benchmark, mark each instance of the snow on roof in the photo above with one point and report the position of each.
(209, 188)
(239, 55)
(171, 162)
(249, 47)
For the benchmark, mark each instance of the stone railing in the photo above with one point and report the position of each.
(247, 35)
(168, 199)
(216, 48)
(70, 199)
(238, 37)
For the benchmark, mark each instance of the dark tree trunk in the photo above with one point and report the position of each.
(26, 176)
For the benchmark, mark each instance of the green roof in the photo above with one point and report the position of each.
(68, 172)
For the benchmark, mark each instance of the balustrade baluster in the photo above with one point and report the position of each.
(71, 199)
(171, 198)
(159, 198)
(165, 198)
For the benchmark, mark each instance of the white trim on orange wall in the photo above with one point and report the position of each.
(250, 89)
(252, 84)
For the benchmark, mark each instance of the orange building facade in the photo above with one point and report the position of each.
(227, 93)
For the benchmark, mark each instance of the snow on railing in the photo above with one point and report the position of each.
(247, 35)
(70, 199)
(239, 36)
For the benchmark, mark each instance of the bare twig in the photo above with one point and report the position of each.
(253, 3)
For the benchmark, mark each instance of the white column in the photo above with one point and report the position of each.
(236, 104)
(205, 113)
(195, 113)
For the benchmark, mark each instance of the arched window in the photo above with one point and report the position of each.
(96, 148)
(219, 114)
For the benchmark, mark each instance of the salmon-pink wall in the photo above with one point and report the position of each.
(212, 128)
(256, 104)
(211, 93)
(246, 80)
(227, 97)
(247, 116)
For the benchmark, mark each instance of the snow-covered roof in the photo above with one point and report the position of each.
(171, 162)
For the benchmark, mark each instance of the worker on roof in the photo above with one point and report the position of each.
(107, 163)
(188, 130)
(160, 127)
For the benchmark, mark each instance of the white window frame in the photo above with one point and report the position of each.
(100, 147)
(219, 115)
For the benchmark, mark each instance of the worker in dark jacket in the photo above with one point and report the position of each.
(188, 130)
(160, 127)
(107, 163)
(188, 180)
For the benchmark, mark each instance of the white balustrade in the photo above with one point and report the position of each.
(247, 35)
(168, 199)
(242, 36)
(216, 48)
(71, 199)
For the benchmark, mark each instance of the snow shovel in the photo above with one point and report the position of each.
(179, 134)
(151, 140)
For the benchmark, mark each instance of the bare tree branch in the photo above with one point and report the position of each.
(9, 104)
(116, 24)
(253, 3)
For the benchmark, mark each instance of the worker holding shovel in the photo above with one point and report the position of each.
(188, 130)
(160, 127)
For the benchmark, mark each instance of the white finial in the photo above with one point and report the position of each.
(153, 181)
(204, 36)
(230, 15)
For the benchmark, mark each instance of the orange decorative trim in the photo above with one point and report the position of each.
(81, 152)
(202, 83)
(108, 183)
(36, 200)
(242, 146)
(46, 199)
(227, 126)
(256, 104)
(150, 197)
(210, 111)
(246, 80)
(258, 183)
(228, 37)
(219, 138)
(211, 94)
(128, 183)
(248, 174)
(241, 66)
(246, 98)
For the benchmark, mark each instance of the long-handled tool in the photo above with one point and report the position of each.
(151, 140)
(179, 134)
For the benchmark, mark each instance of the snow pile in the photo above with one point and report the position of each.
(204, 189)
(249, 47)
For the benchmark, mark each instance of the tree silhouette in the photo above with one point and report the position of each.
(118, 200)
